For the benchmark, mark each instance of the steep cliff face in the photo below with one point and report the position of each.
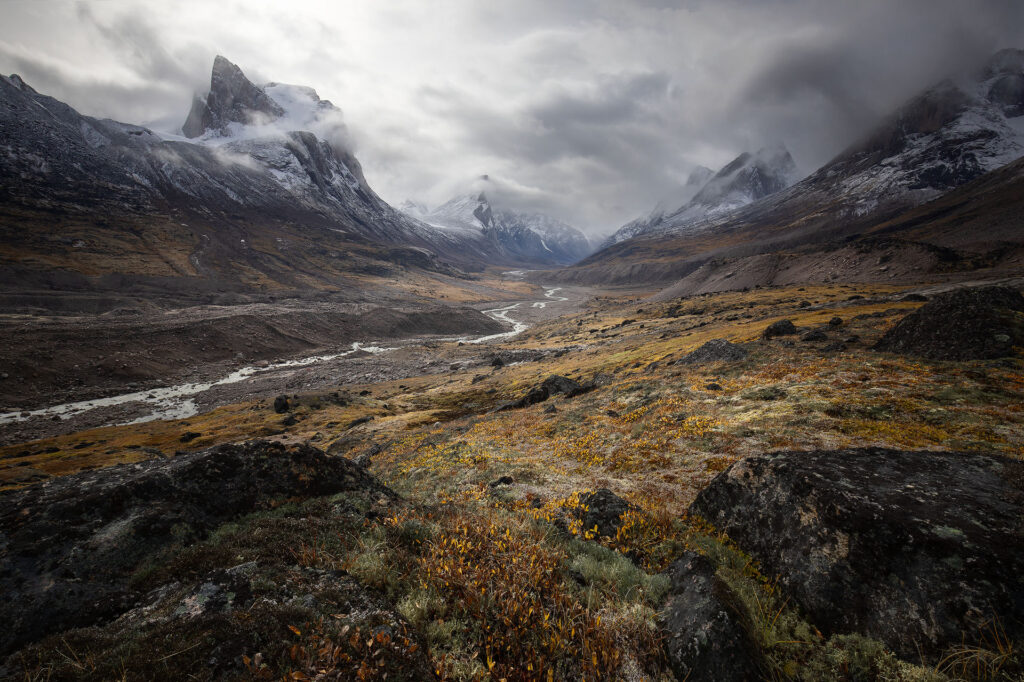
(264, 191)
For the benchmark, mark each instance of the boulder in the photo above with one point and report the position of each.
(603, 510)
(71, 543)
(704, 641)
(779, 328)
(965, 324)
(716, 350)
(553, 385)
(916, 549)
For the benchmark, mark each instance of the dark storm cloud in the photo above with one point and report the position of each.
(589, 109)
(872, 57)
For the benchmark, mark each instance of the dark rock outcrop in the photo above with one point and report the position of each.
(70, 544)
(716, 350)
(779, 328)
(704, 642)
(915, 549)
(553, 385)
(965, 324)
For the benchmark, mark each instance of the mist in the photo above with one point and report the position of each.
(589, 111)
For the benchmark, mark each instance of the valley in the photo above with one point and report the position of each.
(209, 386)
(257, 422)
(428, 418)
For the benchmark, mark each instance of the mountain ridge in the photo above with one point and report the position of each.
(940, 139)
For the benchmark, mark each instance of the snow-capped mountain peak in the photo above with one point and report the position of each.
(526, 237)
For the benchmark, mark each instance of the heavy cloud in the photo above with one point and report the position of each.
(591, 111)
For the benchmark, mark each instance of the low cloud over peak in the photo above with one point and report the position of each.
(595, 109)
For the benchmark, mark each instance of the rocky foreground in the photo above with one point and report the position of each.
(722, 488)
(911, 549)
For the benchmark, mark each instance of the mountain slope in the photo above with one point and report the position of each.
(694, 182)
(945, 137)
(265, 195)
(744, 180)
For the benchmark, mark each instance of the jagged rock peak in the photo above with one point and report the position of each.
(232, 98)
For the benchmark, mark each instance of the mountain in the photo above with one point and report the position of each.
(262, 193)
(744, 180)
(946, 136)
(523, 237)
(668, 205)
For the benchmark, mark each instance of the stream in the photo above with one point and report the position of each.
(177, 402)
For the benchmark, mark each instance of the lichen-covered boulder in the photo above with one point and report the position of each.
(916, 549)
(716, 350)
(779, 328)
(704, 641)
(69, 545)
(965, 324)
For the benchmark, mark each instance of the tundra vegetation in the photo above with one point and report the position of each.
(485, 555)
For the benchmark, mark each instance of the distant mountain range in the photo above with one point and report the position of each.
(949, 135)
(528, 237)
(261, 192)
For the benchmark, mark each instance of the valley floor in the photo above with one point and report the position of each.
(481, 556)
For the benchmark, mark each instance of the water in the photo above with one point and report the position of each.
(176, 402)
(167, 402)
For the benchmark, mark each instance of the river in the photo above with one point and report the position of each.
(178, 402)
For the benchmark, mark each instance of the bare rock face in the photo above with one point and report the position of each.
(69, 545)
(232, 98)
(705, 642)
(965, 324)
(915, 549)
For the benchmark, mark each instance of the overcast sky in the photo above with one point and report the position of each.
(593, 110)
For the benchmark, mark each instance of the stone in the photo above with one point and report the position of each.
(365, 419)
(965, 324)
(913, 549)
(72, 543)
(779, 328)
(603, 509)
(716, 350)
(553, 385)
(704, 641)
